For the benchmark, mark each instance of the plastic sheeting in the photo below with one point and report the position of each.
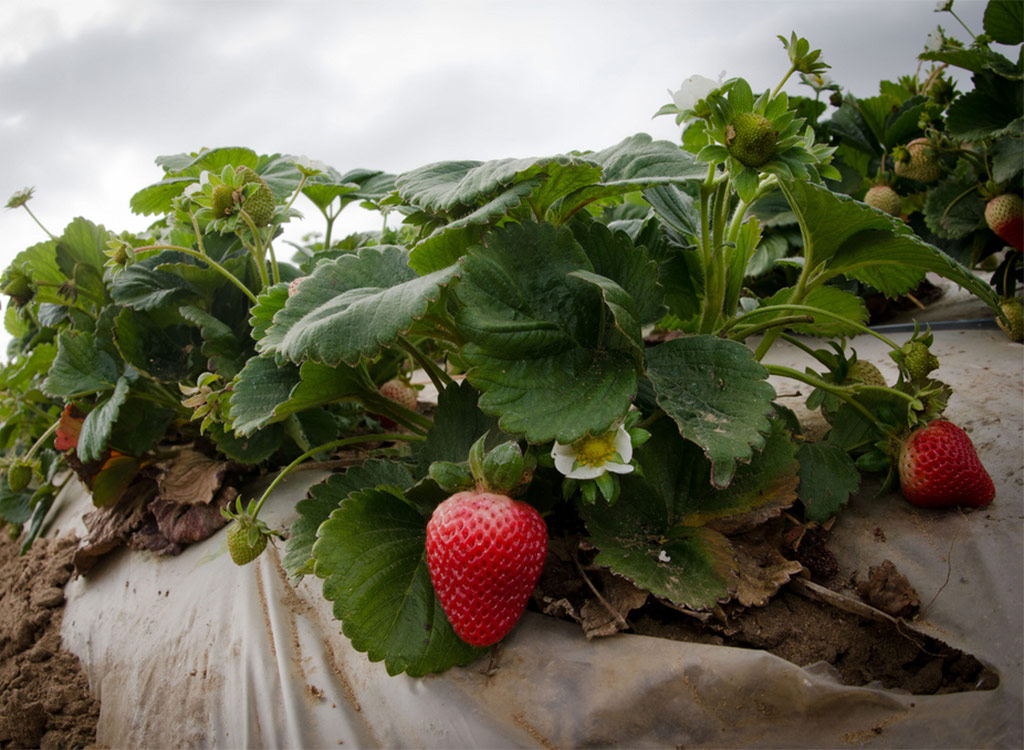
(193, 651)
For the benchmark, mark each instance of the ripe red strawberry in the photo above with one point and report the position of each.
(1004, 215)
(400, 392)
(939, 467)
(485, 553)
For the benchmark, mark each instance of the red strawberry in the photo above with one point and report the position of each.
(939, 467)
(485, 553)
(1004, 215)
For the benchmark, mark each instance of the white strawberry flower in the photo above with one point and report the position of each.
(933, 42)
(692, 90)
(307, 166)
(593, 455)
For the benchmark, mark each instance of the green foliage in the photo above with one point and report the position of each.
(588, 309)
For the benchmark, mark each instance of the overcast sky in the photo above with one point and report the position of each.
(92, 91)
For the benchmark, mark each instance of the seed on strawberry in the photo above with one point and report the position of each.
(918, 360)
(485, 553)
(19, 476)
(401, 392)
(1013, 309)
(884, 198)
(865, 372)
(222, 201)
(919, 162)
(939, 467)
(239, 547)
(1004, 215)
(751, 139)
(260, 203)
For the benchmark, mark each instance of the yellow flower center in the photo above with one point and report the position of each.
(595, 451)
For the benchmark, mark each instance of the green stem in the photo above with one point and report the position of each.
(782, 83)
(298, 190)
(385, 407)
(438, 376)
(42, 439)
(327, 447)
(815, 311)
(258, 250)
(841, 392)
(759, 327)
(48, 232)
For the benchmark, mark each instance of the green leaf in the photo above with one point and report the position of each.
(158, 197)
(80, 368)
(636, 163)
(113, 480)
(828, 477)
(249, 449)
(371, 553)
(144, 287)
(833, 299)
(353, 306)
(615, 258)
(458, 424)
(453, 185)
(954, 209)
(258, 389)
(163, 353)
(718, 396)
(850, 238)
(99, 423)
(691, 567)
(325, 497)
(81, 242)
(995, 104)
(535, 348)
(267, 305)
(14, 506)
(222, 346)
(1007, 158)
(265, 392)
(1004, 22)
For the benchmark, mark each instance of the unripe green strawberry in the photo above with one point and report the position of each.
(1013, 309)
(751, 139)
(884, 198)
(222, 201)
(260, 203)
(19, 476)
(939, 467)
(918, 360)
(485, 554)
(921, 162)
(1004, 215)
(866, 372)
(239, 547)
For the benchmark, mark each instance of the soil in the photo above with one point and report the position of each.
(44, 694)
(860, 628)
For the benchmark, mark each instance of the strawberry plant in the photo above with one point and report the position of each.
(584, 318)
(954, 159)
